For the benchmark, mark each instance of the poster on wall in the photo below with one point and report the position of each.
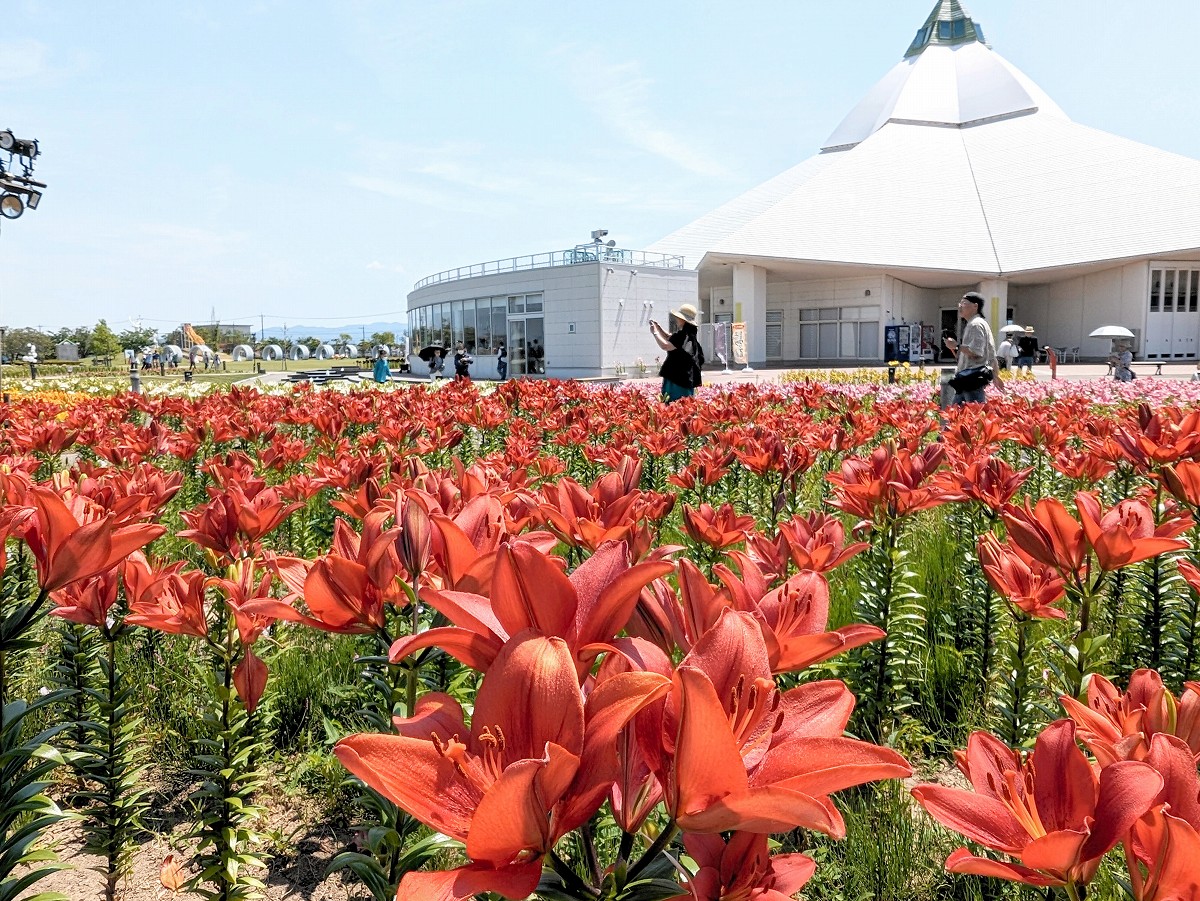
(739, 343)
(721, 341)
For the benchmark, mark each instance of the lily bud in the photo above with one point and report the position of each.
(415, 539)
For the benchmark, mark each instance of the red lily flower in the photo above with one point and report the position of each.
(530, 590)
(793, 619)
(514, 782)
(239, 592)
(744, 868)
(889, 483)
(718, 529)
(736, 754)
(817, 542)
(1164, 845)
(231, 524)
(87, 602)
(177, 606)
(1126, 533)
(989, 481)
(1049, 534)
(1118, 726)
(69, 548)
(1031, 586)
(1049, 811)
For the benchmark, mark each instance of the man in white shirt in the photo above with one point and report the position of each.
(974, 347)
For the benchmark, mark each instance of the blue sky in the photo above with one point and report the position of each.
(309, 161)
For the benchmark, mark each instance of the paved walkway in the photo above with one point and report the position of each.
(1068, 371)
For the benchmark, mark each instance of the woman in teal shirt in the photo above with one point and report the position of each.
(383, 372)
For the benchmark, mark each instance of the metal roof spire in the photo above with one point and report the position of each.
(948, 25)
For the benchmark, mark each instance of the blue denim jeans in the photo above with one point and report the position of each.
(968, 397)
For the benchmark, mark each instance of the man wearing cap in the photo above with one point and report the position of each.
(1027, 348)
(681, 369)
(975, 346)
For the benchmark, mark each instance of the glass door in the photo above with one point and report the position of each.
(517, 355)
(526, 345)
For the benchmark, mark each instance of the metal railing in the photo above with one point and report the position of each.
(583, 253)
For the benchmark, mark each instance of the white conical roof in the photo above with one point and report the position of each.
(948, 86)
(956, 161)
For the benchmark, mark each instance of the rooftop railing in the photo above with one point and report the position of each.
(583, 253)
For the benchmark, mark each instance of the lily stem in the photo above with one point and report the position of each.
(571, 878)
(588, 837)
(664, 838)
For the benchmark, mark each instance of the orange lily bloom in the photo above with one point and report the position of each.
(176, 606)
(719, 528)
(1049, 534)
(1028, 584)
(530, 590)
(817, 542)
(231, 523)
(734, 753)
(69, 548)
(1050, 810)
(1126, 533)
(888, 483)
(1164, 845)
(87, 602)
(1118, 726)
(744, 868)
(516, 780)
(989, 481)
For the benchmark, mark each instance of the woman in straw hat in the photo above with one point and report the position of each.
(681, 369)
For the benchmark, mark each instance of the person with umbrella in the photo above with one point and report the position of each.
(432, 354)
(1122, 360)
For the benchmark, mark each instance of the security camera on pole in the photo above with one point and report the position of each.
(18, 192)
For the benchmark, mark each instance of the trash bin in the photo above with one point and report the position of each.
(187, 375)
(944, 383)
(259, 368)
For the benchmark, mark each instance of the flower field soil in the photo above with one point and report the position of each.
(564, 641)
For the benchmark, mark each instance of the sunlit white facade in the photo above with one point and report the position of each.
(578, 313)
(956, 172)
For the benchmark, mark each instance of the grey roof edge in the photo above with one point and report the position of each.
(986, 120)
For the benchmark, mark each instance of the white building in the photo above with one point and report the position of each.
(576, 313)
(956, 172)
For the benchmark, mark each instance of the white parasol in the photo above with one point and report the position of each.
(1011, 329)
(1111, 331)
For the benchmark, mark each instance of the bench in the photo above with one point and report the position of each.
(1157, 364)
(102, 361)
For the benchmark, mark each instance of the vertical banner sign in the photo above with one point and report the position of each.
(721, 341)
(739, 343)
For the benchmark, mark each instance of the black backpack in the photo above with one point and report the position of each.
(693, 349)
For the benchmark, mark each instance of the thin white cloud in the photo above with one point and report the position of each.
(377, 266)
(622, 95)
(23, 59)
(402, 190)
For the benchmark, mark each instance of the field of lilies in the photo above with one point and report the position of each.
(561, 640)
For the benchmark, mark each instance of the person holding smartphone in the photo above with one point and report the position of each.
(974, 347)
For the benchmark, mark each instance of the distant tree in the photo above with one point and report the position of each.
(388, 338)
(344, 338)
(137, 338)
(80, 335)
(232, 337)
(17, 341)
(104, 342)
(311, 343)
